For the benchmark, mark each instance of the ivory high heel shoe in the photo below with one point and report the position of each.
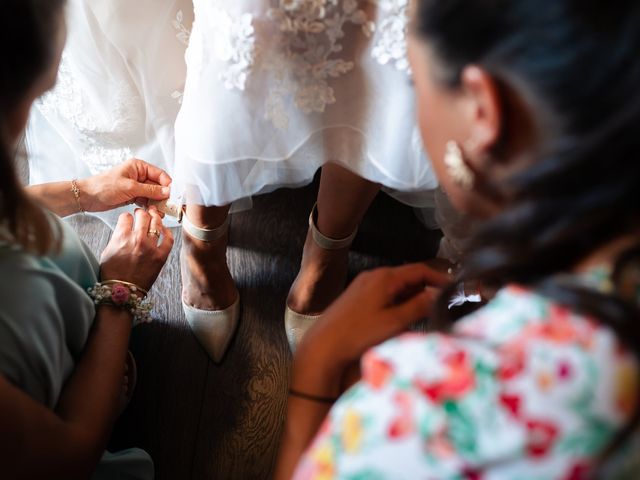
(214, 329)
(296, 324)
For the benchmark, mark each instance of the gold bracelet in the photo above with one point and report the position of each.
(76, 193)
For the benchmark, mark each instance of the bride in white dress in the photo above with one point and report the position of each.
(275, 90)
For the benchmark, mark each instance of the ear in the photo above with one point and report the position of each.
(483, 109)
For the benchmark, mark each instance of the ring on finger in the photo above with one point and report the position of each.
(154, 232)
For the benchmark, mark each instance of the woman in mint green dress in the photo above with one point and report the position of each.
(65, 318)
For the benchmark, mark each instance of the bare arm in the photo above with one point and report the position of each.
(377, 306)
(133, 181)
(57, 197)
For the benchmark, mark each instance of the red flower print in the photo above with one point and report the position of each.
(542, 436)
(471, 473)
(401, 427)
(580, 471)
(403, 400)
(512, 361)
(512, 403)
(376, 371)
(440, 446)
(565, 370)
(559, 329)
(459, 379)
(563, 327)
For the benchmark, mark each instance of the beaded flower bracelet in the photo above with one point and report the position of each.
(125, 295)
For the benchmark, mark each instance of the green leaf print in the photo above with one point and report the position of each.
(461, 429)
(365, 475)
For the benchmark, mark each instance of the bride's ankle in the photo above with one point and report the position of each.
(207, 284)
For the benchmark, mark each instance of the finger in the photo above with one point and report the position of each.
(144, 203)
(155, 225)
(418, 307)
(151, 191)
(153, 174)
(427, 274)
(125, 224)
(142, 223)
(167, 241)
(403, 282)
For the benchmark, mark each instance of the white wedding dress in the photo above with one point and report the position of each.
(277, 88)
(274, 89)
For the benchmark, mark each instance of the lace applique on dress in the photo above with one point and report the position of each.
(391, 46)
(234, 44)
(183, 32)
(305, 52)
(103, 141)
(310, 38)
(183, 36)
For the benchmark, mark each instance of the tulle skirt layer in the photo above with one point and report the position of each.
(275, 90)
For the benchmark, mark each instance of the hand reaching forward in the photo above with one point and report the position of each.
(377, 306)
(134, 181)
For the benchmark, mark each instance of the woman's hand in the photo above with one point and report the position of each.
(377, 306)
(133, 254)
(134, 181)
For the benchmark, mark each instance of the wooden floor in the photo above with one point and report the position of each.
(202, 421)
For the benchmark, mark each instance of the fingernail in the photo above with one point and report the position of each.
(166, 190)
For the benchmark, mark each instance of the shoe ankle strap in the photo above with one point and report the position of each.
(205, 234)
(325, 242)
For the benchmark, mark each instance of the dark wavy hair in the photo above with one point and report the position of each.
(576, 64)
(27, 49)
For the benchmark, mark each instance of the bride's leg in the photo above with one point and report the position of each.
(343, 200)
(206, 280)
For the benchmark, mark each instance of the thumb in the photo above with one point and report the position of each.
(150, 191)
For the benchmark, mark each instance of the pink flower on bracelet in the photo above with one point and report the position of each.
(119, 294)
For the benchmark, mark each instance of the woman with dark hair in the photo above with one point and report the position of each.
(65, 319)
(529, 110)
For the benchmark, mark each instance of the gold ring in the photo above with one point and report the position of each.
(155, 233)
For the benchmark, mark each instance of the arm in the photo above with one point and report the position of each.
(58, 197)
(68, 443)
(133, 181)
(376, 307)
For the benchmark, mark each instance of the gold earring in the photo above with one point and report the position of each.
(457, 168)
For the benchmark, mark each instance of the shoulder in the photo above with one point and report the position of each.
(31, 298)
(24, 276)
(45, 319)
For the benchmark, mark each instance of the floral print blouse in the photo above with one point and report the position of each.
(523, 389)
